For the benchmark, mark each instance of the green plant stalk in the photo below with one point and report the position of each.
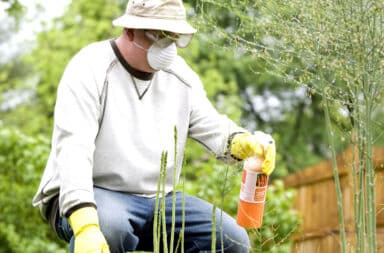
(221, 213)
(163, 204)
(367, 83)
(355, 199)
(174, 193)
(361, 194)
(155, 233)
(360, 222)
(156, 219)
(183, 215)
(370, 92)
(346, 12)
(335, 175)
(370, 184)
(180, 241)
(363, 239)
(213, 241)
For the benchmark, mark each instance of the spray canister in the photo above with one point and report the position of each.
(252, 194)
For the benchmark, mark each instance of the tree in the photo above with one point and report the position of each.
(16, 81)
(334, 50)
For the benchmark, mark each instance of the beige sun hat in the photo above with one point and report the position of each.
(165, 15)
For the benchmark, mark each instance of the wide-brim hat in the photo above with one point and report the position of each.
(164, 15)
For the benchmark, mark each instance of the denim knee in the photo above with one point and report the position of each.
(235, 238)
(237, 242)
(119, 233)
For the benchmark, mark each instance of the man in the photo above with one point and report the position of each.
(117, 105)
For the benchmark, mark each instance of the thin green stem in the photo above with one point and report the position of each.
(163, 202)
(370, 184)
(174, 192)
(180, 241)
(183, 215)
(362, 191)
(360, 225)
(156, 223)
(335, 175)
(213, 241)
(222, 205)
(356, 190)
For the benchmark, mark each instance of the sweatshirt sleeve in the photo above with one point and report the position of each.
(75, 128)
(212, 129)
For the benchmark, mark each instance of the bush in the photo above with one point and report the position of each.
(22, 160)
(220, 185)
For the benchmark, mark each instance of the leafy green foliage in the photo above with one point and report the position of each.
(14, 71)
(221, 186)
(310, 44)
(269, 101)
(280, 221)
(22, 159)
(15, 9)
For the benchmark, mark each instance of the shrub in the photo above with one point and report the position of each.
(22, 159)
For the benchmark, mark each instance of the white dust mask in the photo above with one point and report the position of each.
(158, 56)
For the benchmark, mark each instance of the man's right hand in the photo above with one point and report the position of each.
(245, 145)
(88, 237)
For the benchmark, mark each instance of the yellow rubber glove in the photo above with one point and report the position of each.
(88, 237)
(269, 159)
(244, 145)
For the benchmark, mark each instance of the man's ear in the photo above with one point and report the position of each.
(129, 33)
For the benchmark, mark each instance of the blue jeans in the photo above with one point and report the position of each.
(127, 224)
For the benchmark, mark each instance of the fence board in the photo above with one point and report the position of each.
(316, 201)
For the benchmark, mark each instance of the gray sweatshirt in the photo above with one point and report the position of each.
(111, 127)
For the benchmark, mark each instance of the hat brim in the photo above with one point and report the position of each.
(137, 22)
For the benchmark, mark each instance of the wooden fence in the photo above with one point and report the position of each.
(316, 201)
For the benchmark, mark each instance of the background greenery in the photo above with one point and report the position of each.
(255, 70)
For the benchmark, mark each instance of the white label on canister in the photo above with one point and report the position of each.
(253, 186)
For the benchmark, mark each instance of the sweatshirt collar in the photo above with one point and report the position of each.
(136, 73)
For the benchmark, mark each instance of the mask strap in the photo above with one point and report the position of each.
(139, 46)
